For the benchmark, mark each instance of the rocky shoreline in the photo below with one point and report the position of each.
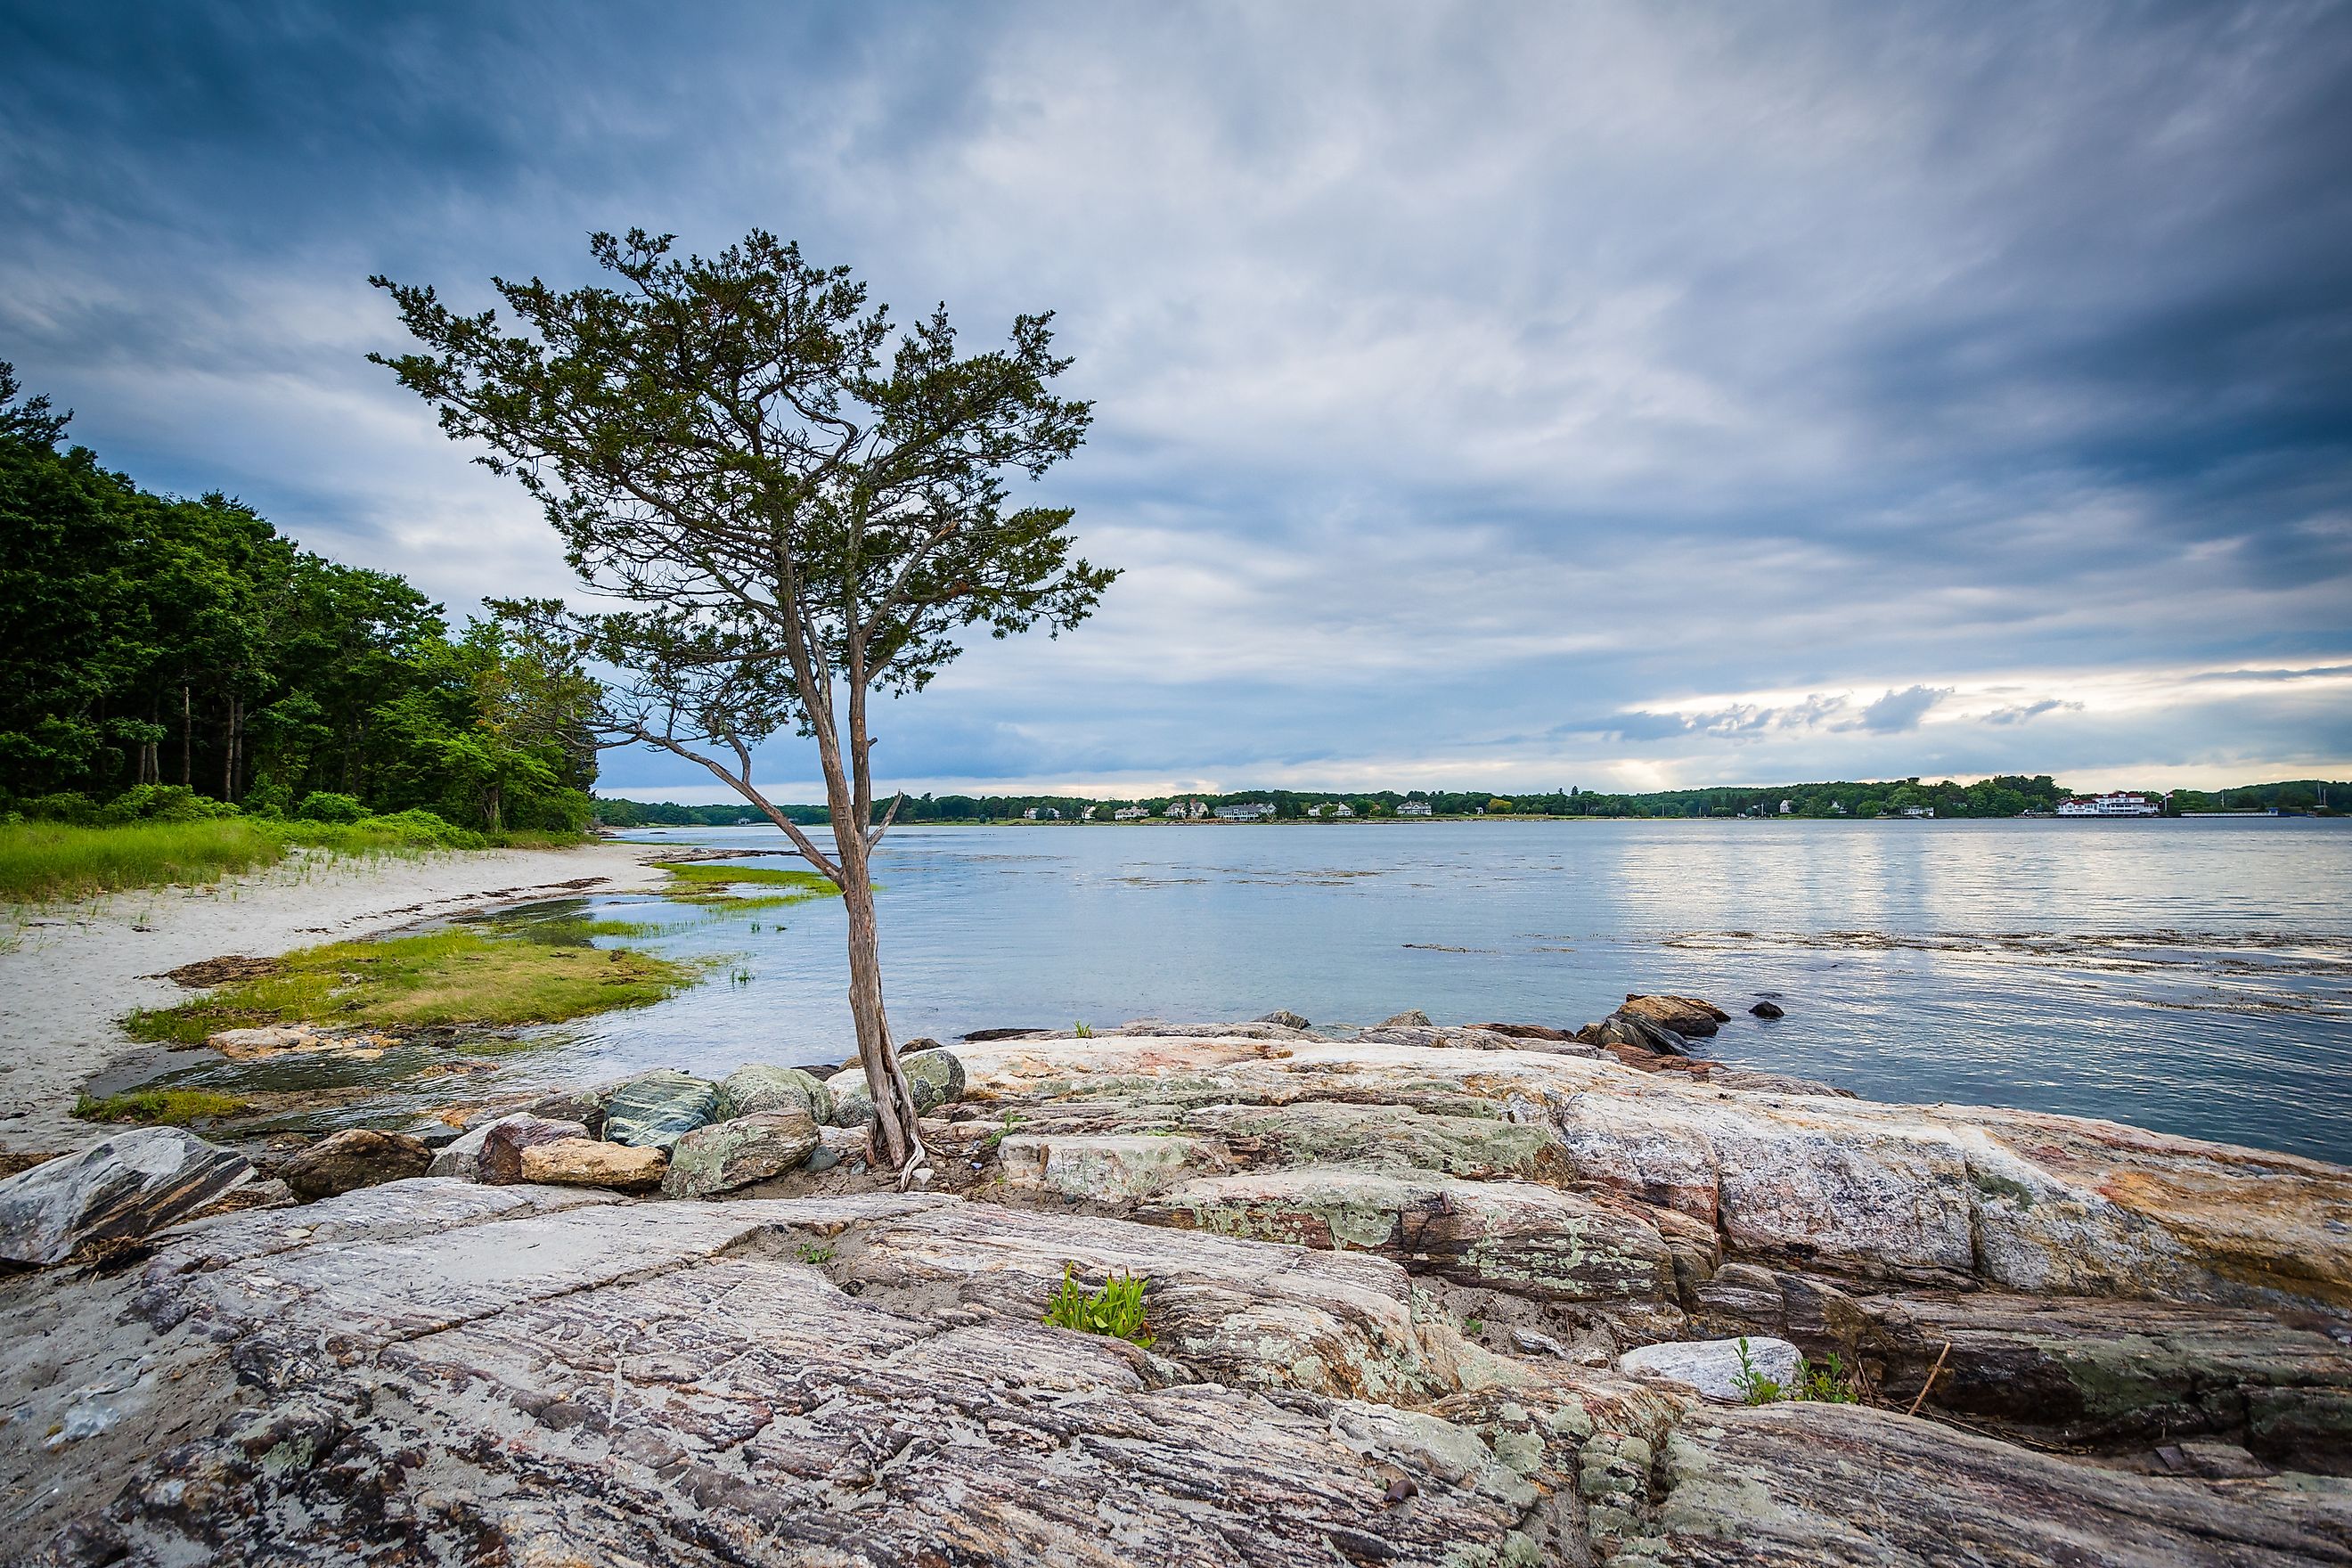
(1488, 1293)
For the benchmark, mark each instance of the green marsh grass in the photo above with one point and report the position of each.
(707, 883)
(54, 862)
(463, 977)
(159, 1107)
(47, 862)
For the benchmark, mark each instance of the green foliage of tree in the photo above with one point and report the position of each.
(156, 643)
(799, 503)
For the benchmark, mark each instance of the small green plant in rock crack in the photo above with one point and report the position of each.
(1473, 1327)
(1829, 1383)
(1116, 1310)
(816, 1253)
(1013, 1118)
(1083, 1031)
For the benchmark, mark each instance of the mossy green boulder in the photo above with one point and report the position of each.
(935, 1077)
(756, 1087)
(738, 1151)
(658, 1108)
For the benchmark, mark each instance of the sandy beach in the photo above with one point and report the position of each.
(73, 972)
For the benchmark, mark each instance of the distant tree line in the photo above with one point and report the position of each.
(2291, 794)
(161, 650)
(2005, 795)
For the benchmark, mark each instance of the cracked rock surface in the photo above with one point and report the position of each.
(1389, 1280)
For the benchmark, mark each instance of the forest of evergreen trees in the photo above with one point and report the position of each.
(182, 657)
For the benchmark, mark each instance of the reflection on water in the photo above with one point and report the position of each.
(2192, 976)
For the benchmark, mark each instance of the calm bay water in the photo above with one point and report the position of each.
(2192, 976)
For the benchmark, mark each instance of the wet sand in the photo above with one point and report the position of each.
(72, 972)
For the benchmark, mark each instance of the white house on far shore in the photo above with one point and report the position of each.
(1413, 808)
(1186, 810)
(1131, 814)
(1247, 811)
(2117, 803)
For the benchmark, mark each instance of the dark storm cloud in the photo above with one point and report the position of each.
(1552, 395)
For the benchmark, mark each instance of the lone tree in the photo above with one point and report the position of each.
(799, 504)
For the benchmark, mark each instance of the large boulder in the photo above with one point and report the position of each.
(354, 1158)
(738, 1152)
(461, 1158)
(658, 1108)
(1686, 1015)
(502, 1158)
(756, 1087)
(1642, 1033)
(586, 1106)
(118, 1189)
(935, 1077)
(586, 1163)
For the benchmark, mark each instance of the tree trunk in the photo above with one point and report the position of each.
(187, 779)
(897, 1139)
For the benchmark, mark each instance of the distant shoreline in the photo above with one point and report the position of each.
(616, 832)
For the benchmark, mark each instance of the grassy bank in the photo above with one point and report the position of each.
(469, 977)
(50, 862)
(742, 886)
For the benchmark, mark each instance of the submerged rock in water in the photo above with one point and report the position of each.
(738, 1152)
(354, 1158)
(1719, 1370)
(658, 1108)
(286, 1039)
(1769, 1010)
(937, 1078)
(587, 1162)
(756, 1087)
(501, 1162)
(120, 1189)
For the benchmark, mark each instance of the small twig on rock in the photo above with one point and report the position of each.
(1931, 1379)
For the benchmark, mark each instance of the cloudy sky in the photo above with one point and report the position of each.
(1514, 395)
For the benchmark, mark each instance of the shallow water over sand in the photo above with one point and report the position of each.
(2190, 976)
